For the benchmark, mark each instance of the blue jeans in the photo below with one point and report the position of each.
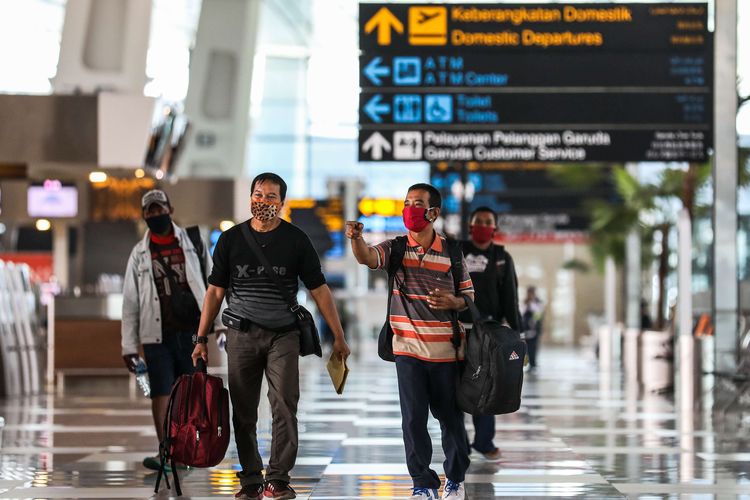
(168, 360)
(431, 387)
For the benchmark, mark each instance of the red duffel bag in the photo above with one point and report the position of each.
(196, 430)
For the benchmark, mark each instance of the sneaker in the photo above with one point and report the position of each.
(454, 490)
(424, 493)
(492, 456)
(154, 463)
(279, 490)
(250, 492)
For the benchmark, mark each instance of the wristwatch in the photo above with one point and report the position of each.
(199, 339)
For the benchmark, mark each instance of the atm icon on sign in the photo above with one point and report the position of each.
(428, 25)
(407, 71)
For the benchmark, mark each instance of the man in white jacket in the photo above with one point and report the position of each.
(162, 295)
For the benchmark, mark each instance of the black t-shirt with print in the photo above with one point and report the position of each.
(496, 293)
(252, 294)
(166, 250)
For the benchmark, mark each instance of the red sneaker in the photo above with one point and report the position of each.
(279, 490)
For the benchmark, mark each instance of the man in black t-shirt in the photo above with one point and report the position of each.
(270, 343)
(496, 296)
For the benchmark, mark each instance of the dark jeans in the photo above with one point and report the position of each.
(431, 387)
(484, 433)
(250, 355)
(167, 361)
(531, 346)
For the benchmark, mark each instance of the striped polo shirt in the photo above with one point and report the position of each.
(418, 331)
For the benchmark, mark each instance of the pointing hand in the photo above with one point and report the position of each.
(354, 230)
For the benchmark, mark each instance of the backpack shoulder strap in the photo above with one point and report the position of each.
(194, 234)
(398, 250)
(457, 271)
(456, 256)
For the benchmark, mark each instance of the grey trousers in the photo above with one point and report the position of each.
(250, 355)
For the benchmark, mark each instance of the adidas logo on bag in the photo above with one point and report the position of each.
(513, 356)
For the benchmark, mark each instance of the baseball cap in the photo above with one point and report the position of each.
(155, 196)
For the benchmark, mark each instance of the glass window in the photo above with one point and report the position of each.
(305, 99)
(36, 27)
(172, 36)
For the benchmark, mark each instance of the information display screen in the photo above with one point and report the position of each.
(547, 82)
(52, 199)
(532, 204)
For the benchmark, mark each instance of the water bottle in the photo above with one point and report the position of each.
(141, 376)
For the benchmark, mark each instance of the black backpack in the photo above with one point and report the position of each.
(398, 250)
(194, 234)
(493, 371)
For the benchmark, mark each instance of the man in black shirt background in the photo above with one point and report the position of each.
(496, 296)
(270, 343)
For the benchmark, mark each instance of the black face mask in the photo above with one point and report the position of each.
(159, 224)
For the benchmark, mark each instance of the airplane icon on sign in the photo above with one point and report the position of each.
(428, 25)
(426, 17)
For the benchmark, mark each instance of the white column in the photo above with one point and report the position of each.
(632, 330)
(218, 98)
(607, 332)
(633, 270)
(686, 346)
(103, 47)
(725, 185)
(242, 199)
(60, 260)
(633, 279)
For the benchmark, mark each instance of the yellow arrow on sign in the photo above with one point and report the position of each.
(384, 20)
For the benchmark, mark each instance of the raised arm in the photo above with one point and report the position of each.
(364, 254)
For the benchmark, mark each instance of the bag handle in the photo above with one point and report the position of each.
(255, 248)
(473, 309)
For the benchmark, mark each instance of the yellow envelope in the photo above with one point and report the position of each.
(338, 371)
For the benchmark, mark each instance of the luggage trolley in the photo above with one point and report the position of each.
(8, 340)
(27, 330)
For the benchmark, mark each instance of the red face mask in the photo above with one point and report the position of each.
(415, 218)
(482, 234)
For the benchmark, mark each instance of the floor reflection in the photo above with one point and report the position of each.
(578, 435)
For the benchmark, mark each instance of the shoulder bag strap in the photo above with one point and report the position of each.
(255, 248)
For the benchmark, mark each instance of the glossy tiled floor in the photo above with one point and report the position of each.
(577, 435)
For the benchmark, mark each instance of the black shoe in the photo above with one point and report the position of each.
(250, 492)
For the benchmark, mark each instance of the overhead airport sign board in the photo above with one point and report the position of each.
(545, 82)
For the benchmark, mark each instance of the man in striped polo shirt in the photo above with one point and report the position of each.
(422, 306)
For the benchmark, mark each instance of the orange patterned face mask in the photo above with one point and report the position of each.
(264, 211)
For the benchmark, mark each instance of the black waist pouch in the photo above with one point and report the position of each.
(234, 321)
